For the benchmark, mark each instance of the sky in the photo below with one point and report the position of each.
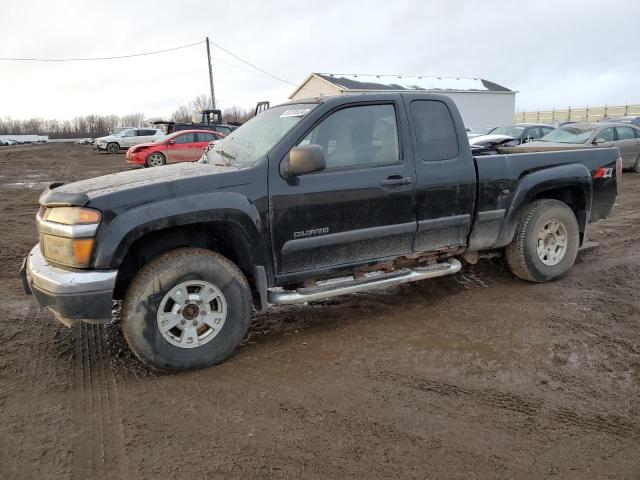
(554, 53)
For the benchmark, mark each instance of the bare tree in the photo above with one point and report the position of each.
(201, 102)
(237, 114)
(133, 120)
(182, 114)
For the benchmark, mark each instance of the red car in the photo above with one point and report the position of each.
(182, 146)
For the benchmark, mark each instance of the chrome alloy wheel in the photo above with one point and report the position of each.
(155, 160)
(191, 314)
(552, 242)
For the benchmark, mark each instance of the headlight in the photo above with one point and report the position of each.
(74, 252)
(71, 215)
(66, 234)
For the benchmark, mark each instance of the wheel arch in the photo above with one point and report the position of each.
(570, 184)
(233, 228)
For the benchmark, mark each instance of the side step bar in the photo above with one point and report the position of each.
(334, 288)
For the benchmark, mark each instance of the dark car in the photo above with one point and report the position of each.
(306, 201)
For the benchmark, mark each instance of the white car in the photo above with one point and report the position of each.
(128, 138)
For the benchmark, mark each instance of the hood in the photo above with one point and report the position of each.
(489, 139)
(108, 138)
(147, 144)
(142, 185)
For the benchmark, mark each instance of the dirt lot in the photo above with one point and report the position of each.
(477, 375)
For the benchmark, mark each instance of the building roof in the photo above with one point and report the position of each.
(359, 82)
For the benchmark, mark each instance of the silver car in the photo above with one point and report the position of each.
(588, 135)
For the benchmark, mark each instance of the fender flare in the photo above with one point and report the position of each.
(531, 185)
(116, 237)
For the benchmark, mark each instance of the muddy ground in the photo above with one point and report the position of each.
(477, 375)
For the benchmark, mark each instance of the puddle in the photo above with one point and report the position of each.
(39, 185)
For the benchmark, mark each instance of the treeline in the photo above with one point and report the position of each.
(86, 126)
(99, 125)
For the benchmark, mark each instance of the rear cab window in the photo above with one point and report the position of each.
(436, 135)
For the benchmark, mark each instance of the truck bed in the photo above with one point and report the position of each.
(502, 178)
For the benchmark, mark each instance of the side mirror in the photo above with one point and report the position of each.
(598, 141)
(172, 142)
(304, 159)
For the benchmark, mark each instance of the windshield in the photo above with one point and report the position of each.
(166, 138)
(123, 133)
(482, 131)
(509, 131)
(569, 134)
(245, 145)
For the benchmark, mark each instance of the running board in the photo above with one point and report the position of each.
(335, 288)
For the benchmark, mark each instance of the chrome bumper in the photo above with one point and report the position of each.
(71, 294)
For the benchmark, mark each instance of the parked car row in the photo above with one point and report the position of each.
(7, 143)
(624, 136)
(621, 132)
(151, 147)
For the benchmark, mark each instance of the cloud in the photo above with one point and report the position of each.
(554, 53)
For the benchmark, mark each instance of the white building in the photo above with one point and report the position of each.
(481, 103)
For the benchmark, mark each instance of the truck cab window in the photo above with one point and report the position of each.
(435, 133)
(355, 136)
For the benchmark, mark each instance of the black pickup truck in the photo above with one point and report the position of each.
(306, 201)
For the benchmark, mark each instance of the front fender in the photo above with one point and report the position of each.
(536, 183)
(116, 237)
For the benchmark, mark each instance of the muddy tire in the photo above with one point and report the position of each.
(113, 148)
(155, 159)
(187, 309)
(546, 242)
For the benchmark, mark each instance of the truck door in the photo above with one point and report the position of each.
(446, 175)
(361, 207)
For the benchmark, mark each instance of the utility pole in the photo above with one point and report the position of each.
(213, 97)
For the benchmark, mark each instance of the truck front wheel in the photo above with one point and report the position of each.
(546, 242)
(187, 309)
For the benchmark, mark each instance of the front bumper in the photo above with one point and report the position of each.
(72, 295)
(134, 158)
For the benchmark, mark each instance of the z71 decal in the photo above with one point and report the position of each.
(603, 173)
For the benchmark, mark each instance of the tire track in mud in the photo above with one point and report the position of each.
(99, 450)
(610, 424)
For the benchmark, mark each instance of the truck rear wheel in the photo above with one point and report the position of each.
(546, 242)
(187, 309)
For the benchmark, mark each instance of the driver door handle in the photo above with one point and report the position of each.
(395, 181)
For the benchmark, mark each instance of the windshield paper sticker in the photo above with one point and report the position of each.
(297, 112)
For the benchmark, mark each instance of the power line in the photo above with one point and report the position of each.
(11, 59)
(252, 65)
(216, 59)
